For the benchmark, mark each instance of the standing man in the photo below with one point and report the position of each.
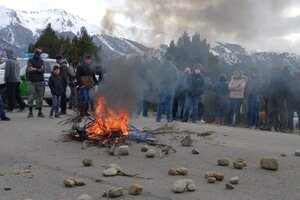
(86, 79)
(13, 81)
(167, 78)
(64, 69)
(36, 86)
(195, 86)
(72, 85)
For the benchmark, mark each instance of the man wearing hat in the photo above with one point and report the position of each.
(12, 80)
(35, 86)
(64, 68)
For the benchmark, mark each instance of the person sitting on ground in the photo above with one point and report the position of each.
(56, 85)
(3, 116)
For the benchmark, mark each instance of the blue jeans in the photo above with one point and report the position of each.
(165, 102)
(235, 110)
(85, 95)
(253, 111)
(180, 108)
(55, 104)
(143, 106)
(191, 103)
(2, 112)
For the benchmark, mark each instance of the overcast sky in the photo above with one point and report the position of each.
(256, 24)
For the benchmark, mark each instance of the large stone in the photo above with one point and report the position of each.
(135, 189)
(79, 182)
(234, 180)
(242, 160)
(173, 172)
(228, 186)
(84, 197)
(195, 151)
(223, 162)
(210, 174)
(179, 186)
(144, 148)
(219, 176)
(186, 141)
(238, 165)
(69, 182)
(150, 153)
(123, 150)
(297, 153)
(115, 166)
(211, 180)
(115, 192)
(182, 171)
(110, 172)
(87, 162)
(182, 185)
(270, 163)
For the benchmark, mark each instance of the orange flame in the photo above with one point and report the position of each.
(107, 122)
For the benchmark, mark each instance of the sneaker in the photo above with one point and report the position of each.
(40, 114)
(9, 110)
(63, 112)
(5, 118)
(30, 115)
(51, 116)
(57, 115)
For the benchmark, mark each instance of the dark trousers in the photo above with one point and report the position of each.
(165, 102)
(253, 111)
(235, 110)
(13, 93)
(277, 107)
(2, 112)
(73, 97)
(180, 108)
(191, 103)
(63, 101)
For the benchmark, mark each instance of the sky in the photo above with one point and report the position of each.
(272, 25)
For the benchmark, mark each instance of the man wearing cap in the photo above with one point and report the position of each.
(64, 68)
(12, 80)
(35, 86)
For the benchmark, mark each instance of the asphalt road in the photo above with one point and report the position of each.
(38, 145)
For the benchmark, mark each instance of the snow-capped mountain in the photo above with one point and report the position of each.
(19, 28)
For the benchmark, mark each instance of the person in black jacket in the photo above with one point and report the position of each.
(35, 84)
(195, 85)
(221, 99)
(86, 79)
(64, 71)
(56, 85)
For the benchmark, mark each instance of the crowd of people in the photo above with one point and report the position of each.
(244, 99)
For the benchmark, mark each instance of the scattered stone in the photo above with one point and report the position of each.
(105, 194)
(27, 171)
(29, 176)
(238, 165)
(173, 172)
(182, 170)
(283, 155)
(123, 150)
(115, 192)
(186, 141)
(242, 160)
(223, 162)
(135, 189)
(219, 176)
(210, 174)
(150, 153)
(234, 180)
(270, 163)
(115, 166)
(69, 182)
(191, 187)
(110, 172)
(297, 153)
(84, 197)
(205, 134)
(7, 188)
(182, 185)
(79, 182)
(211, 180)
(87, 162)
(2, 174)
(144, 148)
(99, 180)
(229, 186)
(195, 151)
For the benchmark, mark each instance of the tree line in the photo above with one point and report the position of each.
(71, 48)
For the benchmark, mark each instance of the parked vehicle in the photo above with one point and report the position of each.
(49, 64)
